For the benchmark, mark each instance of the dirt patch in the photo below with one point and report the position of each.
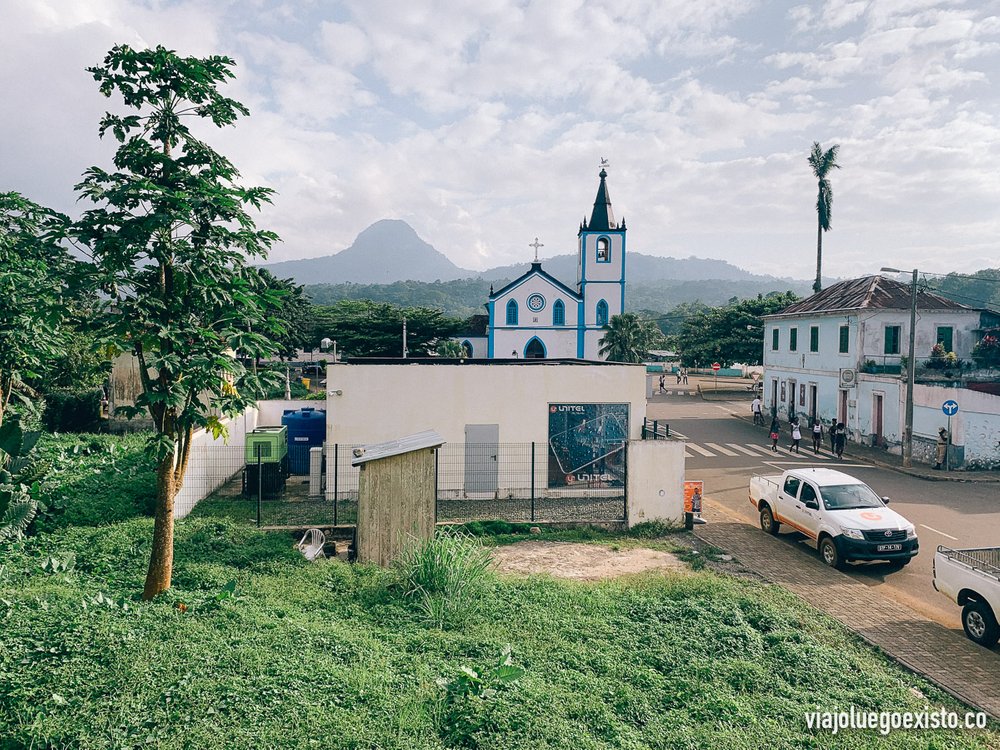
(581, 562)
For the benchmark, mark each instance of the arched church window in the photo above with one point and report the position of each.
(467, 347)
(602, 313)
(512, 313)
(559, 313)
(535, 349)
(603, 250)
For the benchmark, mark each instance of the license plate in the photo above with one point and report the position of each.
(889, 548)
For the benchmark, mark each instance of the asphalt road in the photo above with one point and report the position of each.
(955, 514)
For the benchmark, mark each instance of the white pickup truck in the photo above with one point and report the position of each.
(843, 515)
(971, 579)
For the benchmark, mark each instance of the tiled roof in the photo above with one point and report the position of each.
(869, 293)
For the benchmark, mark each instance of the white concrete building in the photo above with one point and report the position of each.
(562, 428)
(842, 354)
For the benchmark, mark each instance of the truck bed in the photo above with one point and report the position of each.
(985, 560)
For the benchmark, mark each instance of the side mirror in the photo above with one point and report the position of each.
(814, 504)
(885, 500)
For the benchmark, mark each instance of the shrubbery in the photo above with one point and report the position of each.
(73, 411)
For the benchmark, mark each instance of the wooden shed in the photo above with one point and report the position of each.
(396, 495)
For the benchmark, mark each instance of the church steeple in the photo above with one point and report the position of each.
(603, 218)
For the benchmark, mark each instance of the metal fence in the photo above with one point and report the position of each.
(473, 481)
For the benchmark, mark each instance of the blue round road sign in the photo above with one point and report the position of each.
(950, 407)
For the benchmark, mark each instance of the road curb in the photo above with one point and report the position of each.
(902, 470)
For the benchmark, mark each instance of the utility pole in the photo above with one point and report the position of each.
(911, 367)
(404, 337)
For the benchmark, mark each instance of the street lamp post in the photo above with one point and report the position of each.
(911, 366)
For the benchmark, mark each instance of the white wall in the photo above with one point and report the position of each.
(271, 412)
(655, 481)
(214, 462)
(383, 402)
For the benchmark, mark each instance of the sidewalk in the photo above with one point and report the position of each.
(882, 457)
(957, 665)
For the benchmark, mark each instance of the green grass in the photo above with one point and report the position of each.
(95, 479)
(332, 655)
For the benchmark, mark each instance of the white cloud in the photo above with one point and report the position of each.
(482, 123)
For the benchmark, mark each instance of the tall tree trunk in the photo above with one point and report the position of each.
(818, 284)
(161, 558)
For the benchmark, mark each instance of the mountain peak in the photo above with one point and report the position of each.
(389, 250)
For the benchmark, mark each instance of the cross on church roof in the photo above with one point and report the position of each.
(536, 244)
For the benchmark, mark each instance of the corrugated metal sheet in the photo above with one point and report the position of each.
(869, 293)
(416, 442)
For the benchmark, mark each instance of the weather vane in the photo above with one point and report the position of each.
(536, 244)
(605, 163)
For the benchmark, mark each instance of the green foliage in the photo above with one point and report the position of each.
(652, 661)
(734, 333)
(72, 411)
(19, 487)
(450, 348)
(466, 297)
(290, 319)
(375, 329)
(34, 286)
(822, 163)
(986, 352)
(89, 480)
(446, 574)
(980, 289)
(653, 530)
(170, 239)
(463, 711)
(455, 299)
(628, 338)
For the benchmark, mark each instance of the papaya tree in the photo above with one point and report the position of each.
(169, 235)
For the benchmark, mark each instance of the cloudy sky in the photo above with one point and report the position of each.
(482, 122)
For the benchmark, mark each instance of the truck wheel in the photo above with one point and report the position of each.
(830, 554)
(980, 624)
(767, 522)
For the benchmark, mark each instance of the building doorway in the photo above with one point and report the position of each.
(791, 400)
(813, 402)
(534, 350)
(877, 399)
(481, 449)
(842, 408)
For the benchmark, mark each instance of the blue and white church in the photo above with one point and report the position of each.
(537, 316)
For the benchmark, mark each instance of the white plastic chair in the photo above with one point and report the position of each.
(311, 545)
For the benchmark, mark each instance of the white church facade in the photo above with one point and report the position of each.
(537, 316)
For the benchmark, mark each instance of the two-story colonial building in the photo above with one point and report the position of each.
(841, 354)
(538, 316)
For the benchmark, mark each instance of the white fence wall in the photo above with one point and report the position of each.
(214, 462)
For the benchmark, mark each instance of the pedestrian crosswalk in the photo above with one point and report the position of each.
(712, 450)
(676, 392)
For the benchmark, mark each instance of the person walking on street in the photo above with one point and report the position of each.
(775, 434)
(678, 376)
(817, 430)
(833, 435)
(663, 387)
(756, 407)
(684, 374)
(796, 437)
(942, 448)
(840, 439)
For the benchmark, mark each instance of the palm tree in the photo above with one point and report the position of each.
(628, 338)
(822, 162)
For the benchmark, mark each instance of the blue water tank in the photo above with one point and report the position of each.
(306, 429)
